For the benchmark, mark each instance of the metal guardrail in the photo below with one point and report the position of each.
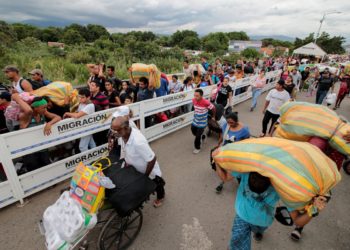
(27, 141)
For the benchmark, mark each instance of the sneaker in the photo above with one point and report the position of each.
(219, 188)
(258, 237)
(251, 109)
(158, 203)
(196, 151)
(296, 234)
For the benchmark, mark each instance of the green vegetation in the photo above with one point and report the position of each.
(26, 46)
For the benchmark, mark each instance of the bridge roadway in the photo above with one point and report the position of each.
(193, 216)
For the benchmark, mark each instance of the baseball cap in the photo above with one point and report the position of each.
(10, 68)
(36, 71)
(5, 95)
(121, 111)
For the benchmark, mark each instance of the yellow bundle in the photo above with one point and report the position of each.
(301, 120)
(298, 171)
(60, 93)
(139, 70)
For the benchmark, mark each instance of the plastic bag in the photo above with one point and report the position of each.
(331, 98)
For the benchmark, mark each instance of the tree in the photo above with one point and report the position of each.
(191, 42)
(50, 34)
(274, 42)
(72, 36)
(250, 53)
(94, 32)
(181, 38)
(7, 34)
(218, 39)
(238, 35)
(25, 30)
(79, 28)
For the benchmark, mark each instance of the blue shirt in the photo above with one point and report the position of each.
(215, 79)
(163, 89)
(205, 65)
(256, 209)
(233, 136)
(144, 94)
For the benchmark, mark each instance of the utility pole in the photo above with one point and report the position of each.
(321, 22)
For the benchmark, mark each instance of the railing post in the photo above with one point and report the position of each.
(10, 171)
(142, 119)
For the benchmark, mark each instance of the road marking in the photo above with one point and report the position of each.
(194, 237)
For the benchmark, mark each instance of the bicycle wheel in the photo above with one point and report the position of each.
(119, 232)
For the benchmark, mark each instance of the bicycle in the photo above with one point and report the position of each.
(120, 226)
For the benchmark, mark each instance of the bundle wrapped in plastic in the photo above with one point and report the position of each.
(298, 171)
(60, 93)
(301, 120)
(139, 70)
(65, 222)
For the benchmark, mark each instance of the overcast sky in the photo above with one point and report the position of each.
(256, 17)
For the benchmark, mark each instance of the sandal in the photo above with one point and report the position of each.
(262, 135)
(296, 234)
(158, 203)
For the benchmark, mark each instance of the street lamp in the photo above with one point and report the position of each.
(321, 21)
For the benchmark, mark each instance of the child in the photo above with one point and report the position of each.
(86, 107)
(311, 82)
(128, 100)
(255, 207)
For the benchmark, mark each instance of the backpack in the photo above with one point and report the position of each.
(35, 84)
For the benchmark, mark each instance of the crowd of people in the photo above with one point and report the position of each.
(104, 90)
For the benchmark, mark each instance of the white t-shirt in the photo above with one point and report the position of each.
(231, 80)
(188, 72)
(86, 108)
(138, 153)
(277, 99)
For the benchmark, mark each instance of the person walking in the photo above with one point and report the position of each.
(274, 100)
(257, 87)
(323, 86)
(200, 120)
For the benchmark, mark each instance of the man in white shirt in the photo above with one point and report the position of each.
(139, 154)
(274, 100)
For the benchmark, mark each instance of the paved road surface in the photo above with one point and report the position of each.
(193, 217)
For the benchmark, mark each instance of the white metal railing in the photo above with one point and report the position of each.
(27, 141)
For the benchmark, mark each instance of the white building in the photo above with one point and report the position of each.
(238, 45)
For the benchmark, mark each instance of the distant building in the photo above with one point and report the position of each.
(238, 45)
(193, 52)
(268, 51)
(55, 44)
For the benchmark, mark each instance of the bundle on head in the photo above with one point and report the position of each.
(298, 171)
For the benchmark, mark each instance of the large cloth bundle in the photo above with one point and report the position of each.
(139, 70)
(298, 171)
(60, 93)
(301, 120)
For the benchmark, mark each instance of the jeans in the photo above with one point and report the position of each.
(86, 143)
(267, 117)
(241, 234)
(256, 94)
(320, 95)
(198, 133)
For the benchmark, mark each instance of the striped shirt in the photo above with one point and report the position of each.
(201, 109)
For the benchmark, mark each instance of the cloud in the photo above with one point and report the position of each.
(264, 17)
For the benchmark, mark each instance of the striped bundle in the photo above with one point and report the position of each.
(298, 171)
(60, 93)
(301, 120)
(139, 70)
